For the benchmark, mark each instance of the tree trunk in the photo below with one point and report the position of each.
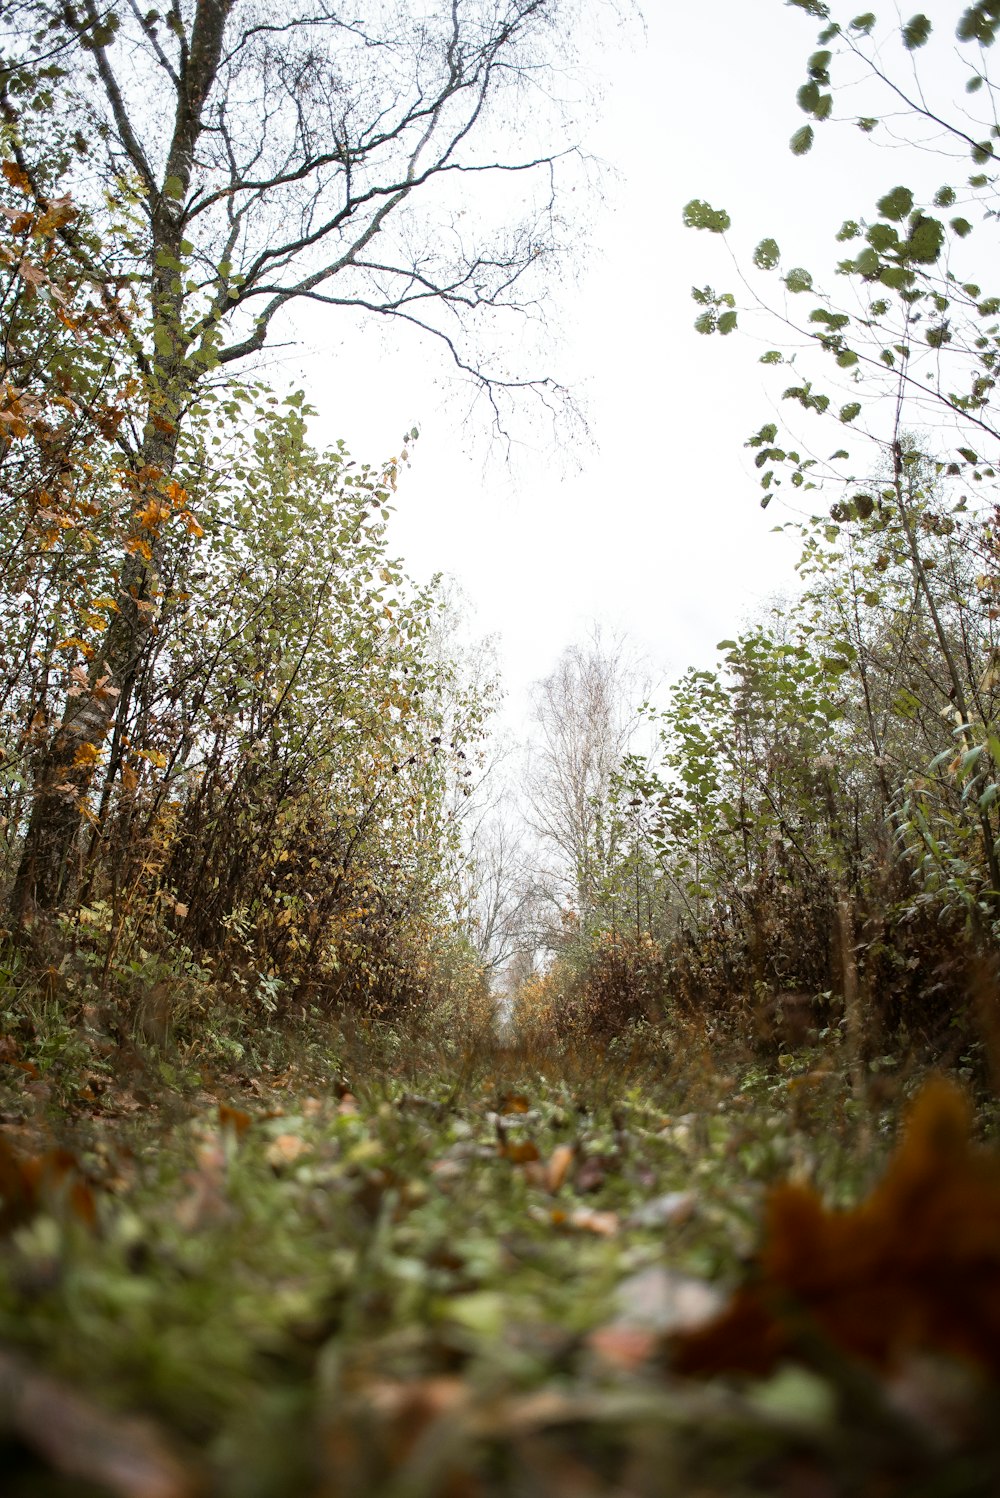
(66, 767)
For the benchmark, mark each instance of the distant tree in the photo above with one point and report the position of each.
(584, 715)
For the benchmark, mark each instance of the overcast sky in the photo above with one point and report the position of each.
(659, 532)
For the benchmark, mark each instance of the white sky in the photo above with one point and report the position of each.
(660, 533)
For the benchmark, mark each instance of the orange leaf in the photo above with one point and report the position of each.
(558, 1167)
(235, 1119)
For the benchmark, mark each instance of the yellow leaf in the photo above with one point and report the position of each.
(15, 176)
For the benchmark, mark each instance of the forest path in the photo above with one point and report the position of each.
(410, 1281)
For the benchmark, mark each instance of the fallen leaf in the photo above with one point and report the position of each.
(235, 1119)
(558, 1167)
(514, 1102)
(587, 1220)
(624, 1347)
(519, 1151)
(664, 1301)
(285, 1150)
(672, 1208)
(52, 1181)
(206, 1201)
(914, 1269)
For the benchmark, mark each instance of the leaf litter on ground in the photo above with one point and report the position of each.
(532, 1288)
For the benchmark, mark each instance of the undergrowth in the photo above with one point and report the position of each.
(347, 1258)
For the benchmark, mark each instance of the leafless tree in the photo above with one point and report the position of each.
(585, 715)
(502, 892)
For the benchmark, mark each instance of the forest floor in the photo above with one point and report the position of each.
(370, 1274)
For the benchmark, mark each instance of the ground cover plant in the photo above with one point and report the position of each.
(433, 1267)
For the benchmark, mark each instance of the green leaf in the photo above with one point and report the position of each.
(849, 229)
(833, 320)
(982, 152)
(979, 23)
(173, 188)
(968, 454)
(766, 255)
(863, 23)
(808, 96)
(896, 277)
(961, 227)
(882, 237)
(849, 412)
(801, 141)
(706, 323)
(771, 357)
(974, 84)
(846, 358)
(916, 32)
(944, 197)
(896, 204)
(727, 322)
(925, 241)
(699, 215)
(798, 279)
(867, 124)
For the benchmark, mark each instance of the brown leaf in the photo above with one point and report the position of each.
(915, 1268)
(52, 1181)
(519, 1151)
(514, 1102)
